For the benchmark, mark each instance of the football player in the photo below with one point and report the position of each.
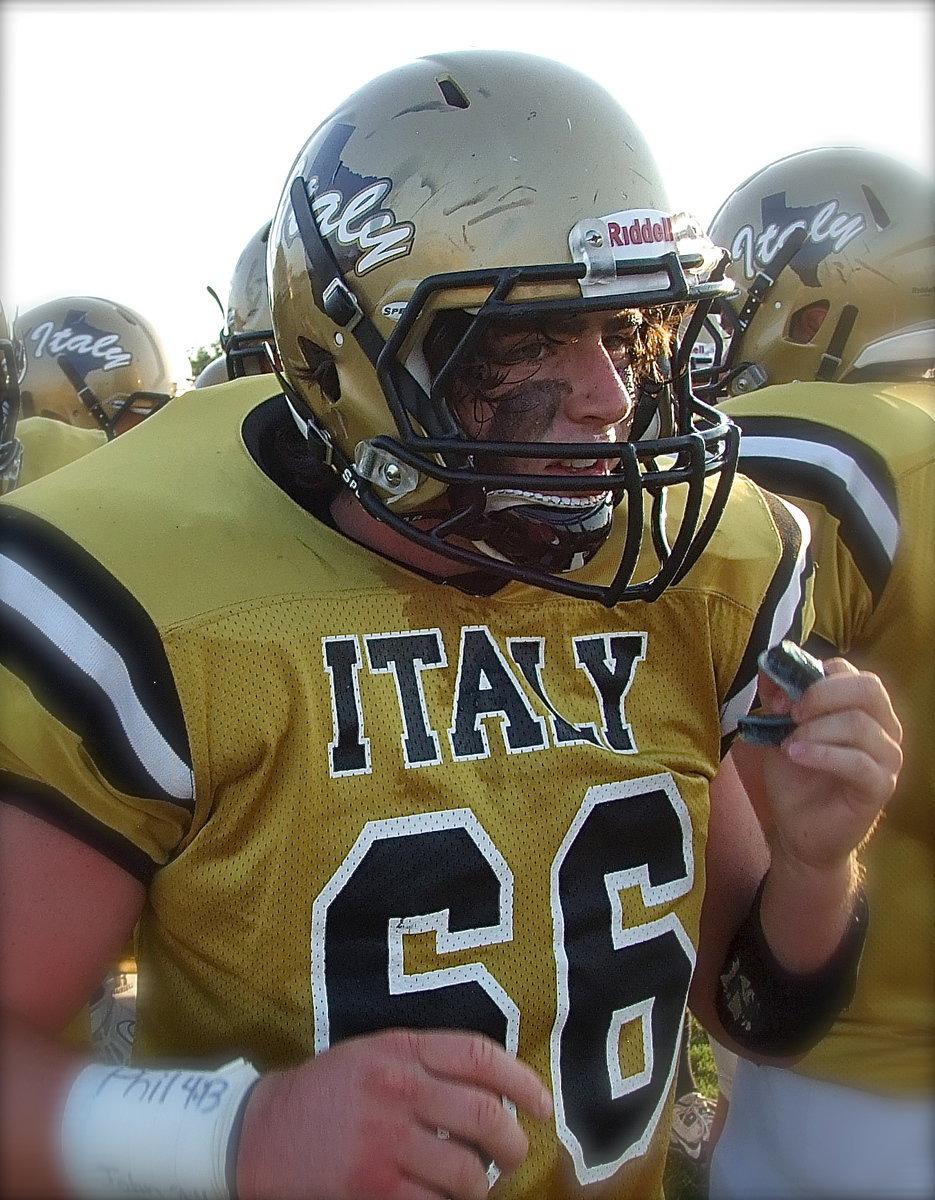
(828, 364)
(33, 446)
(401, 730)
(42, 445)
(92, 363)
(247, 338)
(75, 420)
(11, 448)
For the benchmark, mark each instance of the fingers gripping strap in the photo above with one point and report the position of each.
(159, 1132)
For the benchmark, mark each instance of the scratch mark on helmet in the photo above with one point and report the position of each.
(501, 208)
(430, 106)
(476, 199)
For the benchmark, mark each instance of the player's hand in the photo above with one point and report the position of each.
(828, 782)
(361, 1121)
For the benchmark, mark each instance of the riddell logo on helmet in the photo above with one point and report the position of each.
(641, 233)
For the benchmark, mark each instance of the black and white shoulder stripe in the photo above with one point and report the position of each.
(812, 461)
(55, 809)
(782, 612)
(94, 659)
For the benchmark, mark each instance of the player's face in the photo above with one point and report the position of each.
(130, 417)
(133, 413)
(566, 380)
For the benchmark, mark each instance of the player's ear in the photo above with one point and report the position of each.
(805, 323)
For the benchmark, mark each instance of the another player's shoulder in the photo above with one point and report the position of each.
(204, 418)
(160, 462)
(894, 422)
(908, 420)
(182, 520)
(49, 444)
(753, 576)
(756, 527)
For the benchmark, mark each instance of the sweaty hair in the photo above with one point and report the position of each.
(650, 335)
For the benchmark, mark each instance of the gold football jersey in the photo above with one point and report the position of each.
(361, 798)
(49, 444)
(859, 459)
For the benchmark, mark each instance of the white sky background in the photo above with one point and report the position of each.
(143, 144)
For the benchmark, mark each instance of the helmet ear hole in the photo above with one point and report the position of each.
(805, 322)
(321, 369)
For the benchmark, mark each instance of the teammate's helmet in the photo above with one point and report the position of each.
(834, 249)
(11, 366)
(248, 338)
(214, 372)
(491, 185)
(92, 363)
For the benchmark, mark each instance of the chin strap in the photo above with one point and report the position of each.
(831, 359)
(766, 277)
(523, 529)
(747, 377)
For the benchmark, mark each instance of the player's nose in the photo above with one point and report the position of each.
(598, 395)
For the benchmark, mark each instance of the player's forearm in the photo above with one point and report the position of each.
(792, 965)
(73, 1128)
(805, 911)
(35, 1075)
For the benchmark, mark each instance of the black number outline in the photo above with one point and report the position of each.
(655, 787)
(623, 936)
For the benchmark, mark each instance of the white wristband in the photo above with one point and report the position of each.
(153, 1132)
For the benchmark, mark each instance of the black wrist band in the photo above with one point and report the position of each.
(772, 1011)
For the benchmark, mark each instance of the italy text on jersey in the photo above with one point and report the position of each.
(486, 683)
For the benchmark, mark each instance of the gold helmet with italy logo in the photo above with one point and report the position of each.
(455, 193)
(833, 249)
(93, 363)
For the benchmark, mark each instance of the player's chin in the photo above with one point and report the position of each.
(129, 420)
